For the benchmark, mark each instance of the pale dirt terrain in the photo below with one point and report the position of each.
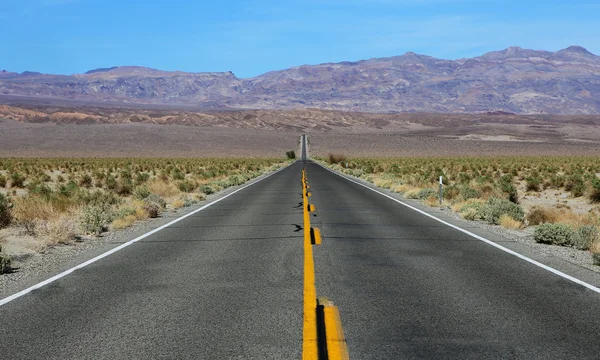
(62, 128)
(18, 139)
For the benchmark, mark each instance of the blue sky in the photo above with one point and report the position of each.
(253, 37)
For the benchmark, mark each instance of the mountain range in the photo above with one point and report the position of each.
(513, 80)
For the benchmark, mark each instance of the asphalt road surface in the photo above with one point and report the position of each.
(409, 287)
(226, 283)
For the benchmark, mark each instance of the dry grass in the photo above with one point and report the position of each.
(595, 247)
(59, 230)
(564, 215)
(403, 188)
(31, 208)
(508, 222)
(432, 201)
(32, 211)
(125, 222)
(336, 158)
(163, 189)
(141, 213)
(412, 193)
(177, 204)
(384, 183)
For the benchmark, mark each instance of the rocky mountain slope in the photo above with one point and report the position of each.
(512, 80)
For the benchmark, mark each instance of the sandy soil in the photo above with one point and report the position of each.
(152, 140)
(139, 140)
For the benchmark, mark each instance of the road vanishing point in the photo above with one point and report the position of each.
(305, 264)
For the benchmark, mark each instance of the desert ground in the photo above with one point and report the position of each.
(66, 130)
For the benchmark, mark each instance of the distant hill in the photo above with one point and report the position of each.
(513, 80)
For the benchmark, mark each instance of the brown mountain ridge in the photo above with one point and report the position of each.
(513, 80)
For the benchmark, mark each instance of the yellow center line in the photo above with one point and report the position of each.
(317, 235)
(309, 331)
(336, 343)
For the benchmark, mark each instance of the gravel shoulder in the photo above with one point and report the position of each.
(571, 261)
(33, 268)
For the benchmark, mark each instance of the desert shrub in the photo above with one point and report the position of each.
(95, 218)
(17, 180)
(177, 174)
(2, 181)
(595, 250)
(495, 208)
(153, 209)
(450, 192)
(576, 185)
(111, 183)
(189, 201)
(537, 216)
(68, 189)
(557, 181)
(473, 211)
(85, 181)
(467, 193)
(97, 198)
(5, 262)
(555, 234)
(154, 205)
(5, 213)
(427, 193)
(124, 187)
(142, 178)
(163, 176)
(155, 199)
(186, 186)
(533, 183)
(338, 158)
(42, 190)
(290, 154)
(595, 191)
(141, 192)
(124, 212)
(507, 187)
(207, 189)
(464, 177)
(586, 236)
(596, 258)
(236, 180)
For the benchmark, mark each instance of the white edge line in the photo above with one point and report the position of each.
(489, 242)
(128, 243)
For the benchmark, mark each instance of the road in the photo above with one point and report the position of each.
(304, 148)
(227, 283)
(409, 287)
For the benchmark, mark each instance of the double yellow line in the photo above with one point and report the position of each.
(335, 342)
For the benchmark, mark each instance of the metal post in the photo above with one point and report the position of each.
(441, 194)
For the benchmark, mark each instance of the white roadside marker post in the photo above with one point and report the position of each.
(441, 195)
